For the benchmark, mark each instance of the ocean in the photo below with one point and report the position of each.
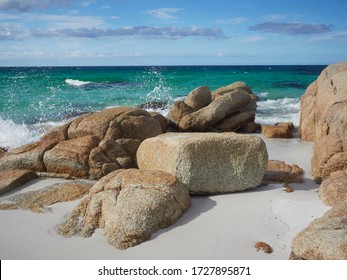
(35, 99)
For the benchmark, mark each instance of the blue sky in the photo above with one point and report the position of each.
(172, 32)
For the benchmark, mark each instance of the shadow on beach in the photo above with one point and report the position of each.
(199, 205)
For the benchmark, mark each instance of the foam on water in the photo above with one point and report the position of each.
(280, 110)
(14, 135)
(76, 83)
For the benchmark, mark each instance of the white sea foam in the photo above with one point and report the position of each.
(279, 110)
(262, 95)
(76, 83)
(14, 135)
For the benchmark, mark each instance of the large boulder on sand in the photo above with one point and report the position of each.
(207, 163)
(323, 120)
(90, 146)
(129, 205)
(225, 109)
(325, 238)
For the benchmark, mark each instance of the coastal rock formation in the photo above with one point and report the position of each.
(37, 201)
(281, 172)
(225, 109)
(207, 163)
(12, 179)
(333, 190)
(2, 151)
(325, 238)
(280, 130)
(129, 205)
(90, 146)
(323, 120)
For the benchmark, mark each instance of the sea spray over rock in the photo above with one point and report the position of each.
(35, 96)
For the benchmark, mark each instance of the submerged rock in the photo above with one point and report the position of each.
(130, 205)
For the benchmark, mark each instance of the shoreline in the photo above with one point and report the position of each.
(215, 227)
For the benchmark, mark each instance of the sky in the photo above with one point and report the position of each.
(172, 32)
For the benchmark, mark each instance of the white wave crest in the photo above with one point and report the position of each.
(262, 95)
(280, 110)
(14, 135)
(76, 83)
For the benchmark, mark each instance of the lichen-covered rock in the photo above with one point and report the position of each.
(37, 201)
(333, 190)
(90, 146)
(12, 179)
(225, 109)
(207, 163)
(325, 238)
(281, 172)
(129, 205)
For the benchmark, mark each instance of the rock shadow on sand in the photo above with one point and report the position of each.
(199, 206)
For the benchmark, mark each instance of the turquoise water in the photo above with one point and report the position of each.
(34, 99)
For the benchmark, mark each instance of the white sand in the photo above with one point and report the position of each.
(215, 227)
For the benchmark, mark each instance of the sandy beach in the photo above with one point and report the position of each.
(215, 227)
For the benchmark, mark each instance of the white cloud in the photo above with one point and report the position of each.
(163, 13)
(16, 32)
(87, 3)
(253, 39)
(236, 20)
(56, 21)
(26, 5)
(275, 17)
(291, 28)
(331, 36)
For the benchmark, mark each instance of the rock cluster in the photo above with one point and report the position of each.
(225, 109)
(129, 205)
(323, 120)
(90, 146)
(207, 163)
